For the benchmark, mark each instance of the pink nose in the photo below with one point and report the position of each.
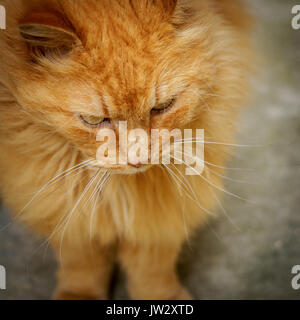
(137, 165)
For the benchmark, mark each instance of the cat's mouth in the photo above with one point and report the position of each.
(126, 169)
(131, 169)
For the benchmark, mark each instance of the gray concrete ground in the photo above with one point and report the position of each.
(248, 254)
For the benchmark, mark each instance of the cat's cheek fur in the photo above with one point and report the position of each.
(140, 220)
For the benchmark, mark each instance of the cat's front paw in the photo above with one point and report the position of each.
(181, 294)
(178, 293)
(65, 295)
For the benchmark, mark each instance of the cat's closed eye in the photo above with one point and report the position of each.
(94, 121)
(163, 107)
(97, 121)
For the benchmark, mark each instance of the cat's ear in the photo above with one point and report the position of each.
(47, 34)
(169, 6)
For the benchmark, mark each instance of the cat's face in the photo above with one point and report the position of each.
(86, 65)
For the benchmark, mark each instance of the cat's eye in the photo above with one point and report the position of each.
(94, 121)
(162, 107)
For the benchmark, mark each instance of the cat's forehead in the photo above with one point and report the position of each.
(127, 53)
(126, 42)
(127, 20)
(123, 37)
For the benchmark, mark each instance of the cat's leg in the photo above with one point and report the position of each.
(151, 272)
(84, 272)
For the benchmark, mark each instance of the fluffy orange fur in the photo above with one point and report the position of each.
(117, 58)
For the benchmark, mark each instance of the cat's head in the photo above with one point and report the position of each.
(79, 66)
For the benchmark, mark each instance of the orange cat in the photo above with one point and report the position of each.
(70, 67)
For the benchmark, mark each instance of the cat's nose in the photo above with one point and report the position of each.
(136, 165)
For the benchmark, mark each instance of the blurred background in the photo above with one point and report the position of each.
(249, 250)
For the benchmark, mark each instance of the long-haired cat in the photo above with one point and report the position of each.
(71, 67)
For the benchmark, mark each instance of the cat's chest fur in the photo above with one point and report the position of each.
(143, 207)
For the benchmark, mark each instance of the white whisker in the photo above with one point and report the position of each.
(196, 201)
(223, 209)
(70, 215)
(217, 187)
(99, 188)
(54, 180)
